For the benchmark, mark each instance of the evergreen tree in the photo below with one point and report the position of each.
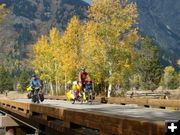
(24, 80)
(174, 84)
(5, 80)
(148, 65)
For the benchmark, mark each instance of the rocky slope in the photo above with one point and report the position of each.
(28, 19)
(160, 19)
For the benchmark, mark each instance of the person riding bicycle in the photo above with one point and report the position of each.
(83, 78)
(35, 83)
(86, 85)
(76, 89)
(89, 91)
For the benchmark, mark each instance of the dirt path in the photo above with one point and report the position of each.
(13, 95)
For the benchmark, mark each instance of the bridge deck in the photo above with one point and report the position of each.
(107, 119)
(131, 110)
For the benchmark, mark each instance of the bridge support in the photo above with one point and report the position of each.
(10, 131)
(8, 123)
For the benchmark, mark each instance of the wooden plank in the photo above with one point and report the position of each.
(49, 111)
(56, 97)
(108, 124)
(97, 99)
(164, 103)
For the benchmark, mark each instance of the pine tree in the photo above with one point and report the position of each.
(5, 80)
(24, 80)
(148, 65)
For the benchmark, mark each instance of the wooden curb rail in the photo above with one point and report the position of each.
(158, 103)
(102, 123)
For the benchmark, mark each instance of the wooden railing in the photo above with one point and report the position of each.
(164, 95)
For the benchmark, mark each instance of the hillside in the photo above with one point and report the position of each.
(160, 20)
(31, 18)
(28, 19)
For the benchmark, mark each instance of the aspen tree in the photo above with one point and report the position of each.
(71, 49)
(3, 12)
(113, 34)
(47, 57)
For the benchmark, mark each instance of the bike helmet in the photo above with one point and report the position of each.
(75, 83)
(83, 68)
(33, 75)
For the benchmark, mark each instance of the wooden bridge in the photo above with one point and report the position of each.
(54, 117)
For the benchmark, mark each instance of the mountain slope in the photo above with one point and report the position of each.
(160, 20)
(29, 19)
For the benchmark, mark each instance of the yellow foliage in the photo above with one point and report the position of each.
(109, 37)
(169, 70)
(47, 55)
(178, 62)
(3, 11)
(104, 44)
(71, 49)
(36, 72)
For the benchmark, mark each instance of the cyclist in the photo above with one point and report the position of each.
(35, 83)
(86, 85)
(83, 78)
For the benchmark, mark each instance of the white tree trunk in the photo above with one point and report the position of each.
(109, 90)
(65, 85)
(51, 88)
(110, 85)
(56, 87)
